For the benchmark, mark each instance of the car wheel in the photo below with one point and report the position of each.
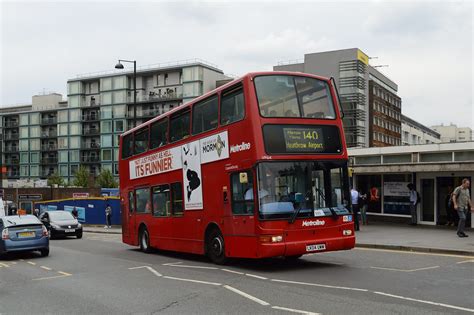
(44, 252)
(79, 235)
(216, 247)
(145, 241)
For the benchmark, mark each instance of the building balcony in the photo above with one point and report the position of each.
(90, 159)
(49, 161)
(152, 97)
(90, 132)
(90, 146)
(49, 121)
(11, 149)
(91, 116)
(51, 134)
(49, 147)
(11, 136)
(12, 161)
(11, 124)
(13, 175)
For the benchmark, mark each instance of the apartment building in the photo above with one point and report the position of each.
(52, 136)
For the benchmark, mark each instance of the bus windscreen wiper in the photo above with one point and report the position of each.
(299, 199)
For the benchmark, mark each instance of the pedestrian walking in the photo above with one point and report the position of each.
(414, 200)
(355, 207)
(74, 212)
(450, 212)
(108, 216)
(462, 203)
(363, 204)
(36, 212)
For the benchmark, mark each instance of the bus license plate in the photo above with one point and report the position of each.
(26, 234)
(70, 231)
(316, 247)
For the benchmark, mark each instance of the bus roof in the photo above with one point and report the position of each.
(223, 87)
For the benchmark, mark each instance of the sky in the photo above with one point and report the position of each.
(427, 45)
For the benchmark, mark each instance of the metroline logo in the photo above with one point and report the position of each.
(313, 223)
(240, 147)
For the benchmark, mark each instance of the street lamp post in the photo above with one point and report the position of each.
(120, 66)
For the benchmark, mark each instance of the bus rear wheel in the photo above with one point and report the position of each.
(216, 247)
(145, 241)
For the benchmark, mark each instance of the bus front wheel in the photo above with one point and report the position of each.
(216, 247)
(145, 241)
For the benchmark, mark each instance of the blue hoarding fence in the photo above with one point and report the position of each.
(90, 210)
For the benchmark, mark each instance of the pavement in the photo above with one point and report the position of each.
(421, 238)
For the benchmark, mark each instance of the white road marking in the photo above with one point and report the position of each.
(53, 277)
(320, 285)
(156, 273)
(64, 273)
(4, 265)
(173, 263)
(426, 302)
(405, 270)
(188, 266)
(412, 253)
(31, 263)
(232, 271)
(45, 268)
(255, 276)
(466, 261)
(248, 296)
(294, 311)
(191, 280)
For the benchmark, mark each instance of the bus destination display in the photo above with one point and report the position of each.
(303, 139)
(298, 139)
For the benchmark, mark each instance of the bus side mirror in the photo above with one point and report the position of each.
(243, 178)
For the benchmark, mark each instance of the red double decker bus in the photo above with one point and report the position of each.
(255, 168)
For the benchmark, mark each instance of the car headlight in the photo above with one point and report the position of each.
(79, 225)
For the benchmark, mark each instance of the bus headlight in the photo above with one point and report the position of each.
(347, 232)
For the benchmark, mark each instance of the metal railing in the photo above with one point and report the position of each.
(49, 147)
(90, 159)
(92, 146)
(13, 174)
(91, 117)
(49, 134)
(11, 149)
(12, 161)
(46, 121)
(90, 131)
(13, 136)
(11, 124)
(49, 160)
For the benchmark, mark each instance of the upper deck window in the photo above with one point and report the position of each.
(292, 96)
(205, 115)
(141, 140)
(127, 146)
(232, 106)
(179, 126)
(159, 134)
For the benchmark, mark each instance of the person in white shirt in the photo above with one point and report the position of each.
(355, 207)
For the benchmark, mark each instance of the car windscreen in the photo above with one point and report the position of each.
(60, 215)
(13, 220)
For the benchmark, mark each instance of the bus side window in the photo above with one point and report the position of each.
(242, 192)
(159, 133)
(143, 201)
(179, 126)
(177, 198)
(232, 106)
(127, 146)
(161, 201)
(205, 115)
(131, 202)
(141, 140)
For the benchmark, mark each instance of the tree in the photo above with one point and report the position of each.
(81, 178)
(55, 179)
(106, 179)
